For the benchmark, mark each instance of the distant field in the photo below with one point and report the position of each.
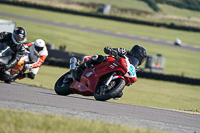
(134, 29)
(131, 4)
(168, 14)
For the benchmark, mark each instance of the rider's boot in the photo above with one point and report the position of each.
(30, 75)
(7, 78)
(118, 96)
(79, 69)
(22, 76)
(77, 72)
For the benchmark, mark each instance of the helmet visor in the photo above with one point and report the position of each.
(18, 38)
(133, 60)
(38, 48)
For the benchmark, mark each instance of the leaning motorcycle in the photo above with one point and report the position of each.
(5, 56)
(103, 81)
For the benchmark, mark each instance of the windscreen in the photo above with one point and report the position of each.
(133, 60)
(5, 50)
(2, 46)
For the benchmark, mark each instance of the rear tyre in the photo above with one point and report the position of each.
(62, 88)
(115, 87)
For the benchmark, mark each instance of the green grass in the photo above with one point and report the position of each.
(130, 4)
(144, 92)
(170, 10)
(133, 29)
(168, 14)
(14, 121)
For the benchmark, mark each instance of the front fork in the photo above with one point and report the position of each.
(106, 86)
(110, 79)
(73, 64)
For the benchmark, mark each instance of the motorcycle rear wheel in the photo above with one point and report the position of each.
(63, 88)
(118, 86)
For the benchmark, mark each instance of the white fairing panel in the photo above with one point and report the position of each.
(130, 70)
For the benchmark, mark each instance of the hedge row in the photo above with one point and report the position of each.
(129, 20)
(171, 78)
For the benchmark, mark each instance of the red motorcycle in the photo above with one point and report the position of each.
(103, 81)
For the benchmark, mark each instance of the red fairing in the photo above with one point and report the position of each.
(110, 59)
(130, 80)
(111, 65)
(86, 86)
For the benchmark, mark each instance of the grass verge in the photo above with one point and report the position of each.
(25, 122)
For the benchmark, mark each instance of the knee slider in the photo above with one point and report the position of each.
(31, 75)
(95, 57)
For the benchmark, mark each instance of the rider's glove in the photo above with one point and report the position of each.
(110, 51)
(28, 66)
(107, 50)
(122, 51)
(114, 53)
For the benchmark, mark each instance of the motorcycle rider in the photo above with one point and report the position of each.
(138, 52)
(39, 53)
(15, 41)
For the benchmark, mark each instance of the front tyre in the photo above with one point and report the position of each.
(115, 87)
(62, 88)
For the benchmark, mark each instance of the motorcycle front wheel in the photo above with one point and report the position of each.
(62, 85)
(115, 87)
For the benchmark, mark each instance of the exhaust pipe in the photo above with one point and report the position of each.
(73, 62)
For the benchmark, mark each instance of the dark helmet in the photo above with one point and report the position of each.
(138, 52)
(19, 35)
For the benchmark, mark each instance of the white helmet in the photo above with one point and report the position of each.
(39, 44)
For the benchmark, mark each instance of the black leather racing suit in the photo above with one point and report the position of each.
(18, 50)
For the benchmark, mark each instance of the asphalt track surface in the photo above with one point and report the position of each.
(35, 99)
(108, 33)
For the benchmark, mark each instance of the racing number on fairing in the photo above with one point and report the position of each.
(132, 69)
(113, 66)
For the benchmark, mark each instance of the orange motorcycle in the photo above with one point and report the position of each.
(5, 56)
